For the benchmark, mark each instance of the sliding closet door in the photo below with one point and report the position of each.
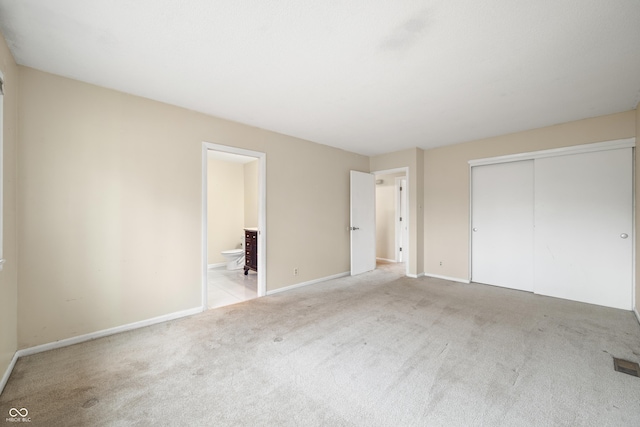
(502, 225)
(583, 234)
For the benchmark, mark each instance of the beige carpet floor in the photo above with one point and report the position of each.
(373, 350)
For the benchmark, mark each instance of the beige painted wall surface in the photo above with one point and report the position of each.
(309, 212)
(251, 194)
(225, 208)
(110, 206)
(446, 191)
(386, 216)
(9, 273)
(413, 159)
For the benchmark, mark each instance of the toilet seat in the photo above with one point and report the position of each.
(233, 252)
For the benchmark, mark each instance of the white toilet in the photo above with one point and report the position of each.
(235, 258)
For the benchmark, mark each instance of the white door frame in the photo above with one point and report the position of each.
(404, 170)
(401, 236)
(262, 211)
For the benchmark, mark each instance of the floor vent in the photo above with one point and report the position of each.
(626, 367)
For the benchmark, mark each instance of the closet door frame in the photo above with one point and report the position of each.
(576, 149)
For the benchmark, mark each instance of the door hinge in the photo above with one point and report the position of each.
(400, 249)
(400, 218)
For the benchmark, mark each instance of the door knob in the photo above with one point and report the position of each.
(624, 235)
(354, 228)
(475, 229)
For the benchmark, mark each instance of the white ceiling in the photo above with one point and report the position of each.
(368, 76)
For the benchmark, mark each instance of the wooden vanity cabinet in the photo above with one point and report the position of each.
(251, 250)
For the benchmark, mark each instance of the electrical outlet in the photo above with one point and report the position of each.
(440, 263)
(295, 271)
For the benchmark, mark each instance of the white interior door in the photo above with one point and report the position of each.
(502, 225)
(584, 244)
(402, 230)
(363, 222)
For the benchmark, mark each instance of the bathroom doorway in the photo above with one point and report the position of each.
(392, 219)
(233, 199)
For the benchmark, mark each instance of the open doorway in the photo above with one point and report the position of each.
(392, 231)
(233, 186)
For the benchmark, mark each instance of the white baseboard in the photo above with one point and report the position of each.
(386, 260)
(635, 311)
(415, 276)
(106, 332)
(452, 279)
(310, 282)
(219, 264)
(7, 373)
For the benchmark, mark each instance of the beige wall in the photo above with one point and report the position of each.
(110, 206)
(386, 216)
(225, 208)
(8, 275)
(446, 191)
(413, 159)
(308, 209)
(251, 194)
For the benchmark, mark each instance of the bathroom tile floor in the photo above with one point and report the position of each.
(226, 287)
